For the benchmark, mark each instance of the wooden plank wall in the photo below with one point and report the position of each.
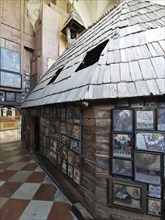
(89, 160)
(97, 168)
(103, 130)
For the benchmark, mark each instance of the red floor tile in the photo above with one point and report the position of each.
(60, 211)
(25, 159)
(13, 209)
(30, 167)
(36, 177)
(7, 189)
(45, 192)
(6, 174)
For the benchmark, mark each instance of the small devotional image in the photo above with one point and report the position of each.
(150, 141)
(122, 145)
(126, 195)
(148, 167)
(122, 120)
(122, 167)
(161, 119)
(145, 119)
(154, 207)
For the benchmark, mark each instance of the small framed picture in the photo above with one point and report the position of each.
(55, 145)
(63, 128)
(122, 120)
(76, 132)
(161, 119)
(77, 175)
(53, 157)
(59, 148)
(65, 139)
(122, 145)
(77, 161)
(75, 146)
(10, 97)
(64, 152)
(148, 167)
(122, 167)
(77, 115)
(51, 144)
(59, 161)
(69, 114)
(154, 207)
(69, 127)
(55, 129)
(144, 119)
(154, 191)
(64, 166)
(150, 141)
(127, 194)
(71, 155)
(70, 171)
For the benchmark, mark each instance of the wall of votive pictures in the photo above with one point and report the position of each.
(138, 154)
(60, 132)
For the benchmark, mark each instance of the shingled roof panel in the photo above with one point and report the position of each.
(132, 60)
(159, 66)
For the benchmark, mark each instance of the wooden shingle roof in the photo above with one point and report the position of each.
(73, 19)
(131, 64)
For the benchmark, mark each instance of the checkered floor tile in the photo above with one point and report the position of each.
(26, 191)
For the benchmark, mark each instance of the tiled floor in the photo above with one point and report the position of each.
(26, 192)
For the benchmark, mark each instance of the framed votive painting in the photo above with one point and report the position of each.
(70, 171)
(75, 146)
(77, 115)
(76, 132)
(147, 167)
(154, 207)
(122, 145)
(122, 167)
(145, 119)
(71, 157)
(127, 194)
(154, 191)
(122, 120)
(150, 141)
(77, 175)
(161, 119)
